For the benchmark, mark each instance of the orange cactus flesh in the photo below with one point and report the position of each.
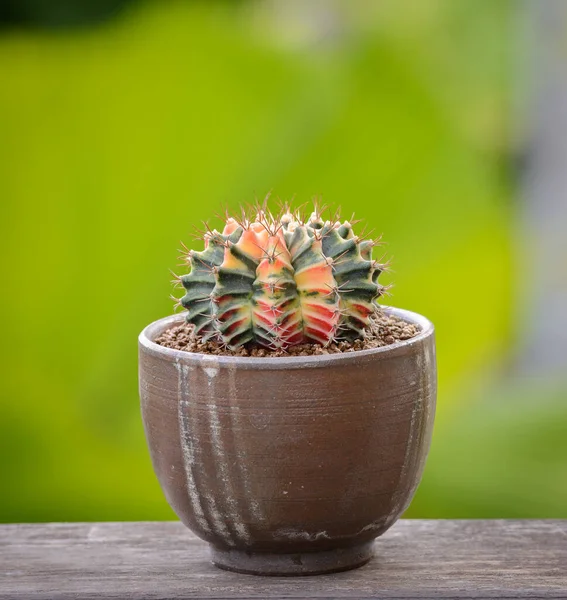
(281, 281)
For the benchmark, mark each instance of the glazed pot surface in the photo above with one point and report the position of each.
(289, 465)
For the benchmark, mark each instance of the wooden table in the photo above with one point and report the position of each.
(415, 559)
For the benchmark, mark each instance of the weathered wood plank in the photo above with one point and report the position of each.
(415, 559)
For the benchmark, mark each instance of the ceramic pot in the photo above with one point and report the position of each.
(294, 465)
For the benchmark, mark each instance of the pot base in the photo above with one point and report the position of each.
(300, 563)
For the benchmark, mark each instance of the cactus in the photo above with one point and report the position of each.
(281, 281)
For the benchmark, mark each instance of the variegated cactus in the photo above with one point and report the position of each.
(281, 281)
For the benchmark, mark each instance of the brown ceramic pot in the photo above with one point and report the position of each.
(289, 466)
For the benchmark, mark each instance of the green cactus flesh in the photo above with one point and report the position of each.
(278, 282)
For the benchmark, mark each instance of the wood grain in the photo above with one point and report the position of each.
(415, 559)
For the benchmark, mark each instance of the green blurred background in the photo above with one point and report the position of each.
(124, 124)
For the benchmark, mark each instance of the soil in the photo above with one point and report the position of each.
(383, 331)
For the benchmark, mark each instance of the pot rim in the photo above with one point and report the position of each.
(151, 331)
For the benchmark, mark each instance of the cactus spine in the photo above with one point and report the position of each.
(281, 281)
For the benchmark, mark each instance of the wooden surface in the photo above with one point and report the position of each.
(415, 559)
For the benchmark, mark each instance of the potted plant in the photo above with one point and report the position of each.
(288, 416)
